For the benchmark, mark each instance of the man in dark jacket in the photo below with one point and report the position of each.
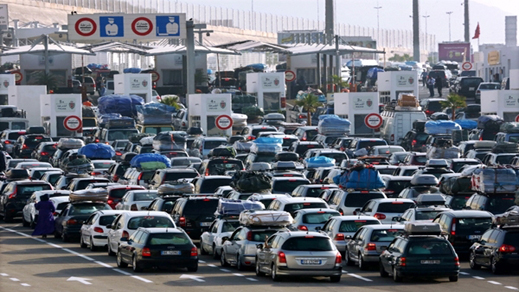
(439, 85)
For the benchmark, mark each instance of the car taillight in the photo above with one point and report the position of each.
(453, 230)
(140, 176)
(282, 258)
(25, 146)
(379, 216)
(55, 214)
(7, 142)
(194, 252)
(125, 234)
(414, 142)
(389, 191)
(338, 259)
(302, 227)
(72, 222)
(339, 236)
(342, 148)
(118, 153)
(183, 124)
(507, 248)
(115, 178)
(457, 261)
(371, 246)
(206, 172)
(182, 221)
(110, 202)
(98, 229)
(428, 112)
(249, 235)
(159, 98)
(302, 116)
(401, 262)
(146, 252)
(44, 153)
(96, 140)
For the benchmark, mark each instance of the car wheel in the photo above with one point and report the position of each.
(496, 266)
(274, 274)
(349, 262)
(362, 263)
(120, 262)
(215, 253)
(454, 278)
(110, 252)
(92, 246)
(383, 272)
(82, 243)
(193, 268)
(472, 261)
(64, 237)
(56, 234)
(239, 265)
(335, 279)
(396, 278)
(259, 273)
(202, 250)
(135, 265)
(223, 261)
(25, 223)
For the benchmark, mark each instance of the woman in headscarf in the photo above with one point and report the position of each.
(45, 223)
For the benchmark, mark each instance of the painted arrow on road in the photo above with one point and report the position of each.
(192, 277)
(81, 280)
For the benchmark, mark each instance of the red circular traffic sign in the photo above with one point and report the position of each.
(290, 76)
(18, 76)
(373, 121)
(223, 122)
(142, 26)
(517, 118)
(72, 123)
(155, 76)
(466, 66)
(85, 26)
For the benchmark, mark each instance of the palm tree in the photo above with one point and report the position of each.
(309, 103)
(171, 100)
(337, 80)
(454, 101)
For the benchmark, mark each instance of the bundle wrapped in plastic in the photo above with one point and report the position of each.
(333, 126)
(168, 141)
(265, 218)
(122, 104)
(136, 138)
(154, 113)
(510, 127)
(364, 178)
(146, 141)
(249, 182)
(103, 119)
(222, 151)
(467, 124)
(70, 143)
(441, 127)
(98, 194)
(319, 161)
(494, 180)
(150, 161)
(443, 153)
(268, 140)
(242, 146)
(489, 122)
(97, 151)
(266, 148)
(176, 189)
(227, 207)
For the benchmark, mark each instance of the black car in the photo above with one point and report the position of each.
(467, 86)
(69, 221)
(158, 247)
(497, 249)
(414, 141)
(27, 143)
(195, 214)
(15, 195)
(300, 147)
(163, 176)
(44, 151)
(220, 166)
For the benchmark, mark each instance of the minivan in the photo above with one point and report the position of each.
(396, 124)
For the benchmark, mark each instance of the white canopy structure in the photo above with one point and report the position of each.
(182, 50)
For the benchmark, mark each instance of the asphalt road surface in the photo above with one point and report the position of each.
(34, 264)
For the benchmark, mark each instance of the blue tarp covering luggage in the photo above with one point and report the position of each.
(333, 126)
(467, 124)
(373, 72)
(322, 117)
(122, 104)
(366, 178)
(268, 140)
(132, 70)
(97, 151)
(319, 161)
(155, 113)
(441, 127)
(228, 207)
(150, 161)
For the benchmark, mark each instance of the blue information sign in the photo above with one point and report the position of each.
(111, 26)
(168, 25)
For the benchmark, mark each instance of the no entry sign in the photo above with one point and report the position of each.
(72, 123)
(224, 122)
(373, 121)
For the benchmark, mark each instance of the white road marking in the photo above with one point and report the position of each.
(464, 273)
(344, 272)
(14, 279)
(478, 278)
(122, 272)
(494, 282)
(360, 277)
(4, 274)
(511, 288)
(142, 279)
(225, 270)
(202, 262)
(238, 275)
(25, 285)
(103, 264)
(192, 277)
(80, 280)
(211, 265)
(252, 279)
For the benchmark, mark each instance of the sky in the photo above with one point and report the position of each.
(394, 14)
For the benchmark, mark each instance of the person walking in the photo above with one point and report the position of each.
(439, 85)
(424, 77)
(430, 85)
(45, 222)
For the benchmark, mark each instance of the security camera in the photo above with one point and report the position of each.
(60, 35)
(208, 34)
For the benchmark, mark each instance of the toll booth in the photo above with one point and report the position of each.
(28, 98)
(55, 109)
(355, 106)
(393, 83)
(270, 90)
(134, 84)
(204, 110)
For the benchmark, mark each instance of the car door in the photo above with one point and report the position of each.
(127, 248)
(58, 223)
(358, 243)
(268, 251)
(481, 248)
(206, 239)
(112, 233)
(388, 256)
(86, 228)
(236, 241)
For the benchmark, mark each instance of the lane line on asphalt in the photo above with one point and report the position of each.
(478, 277)
(252, 279)
(238, 275)
(122, 272)
(225, 270)
(142, 279)
(360, 277)
(25, 285)
(494, 282)
(464, 273)
(202, 262)
(14, 279)
(511, 288)
(4, 274)
(211, 265)
(103, 264)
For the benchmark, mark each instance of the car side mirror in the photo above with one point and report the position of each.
(259, 246)
(123, 239)
(225, 238)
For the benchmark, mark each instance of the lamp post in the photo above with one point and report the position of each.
(449, 13)
(425, 17)
(378, 22)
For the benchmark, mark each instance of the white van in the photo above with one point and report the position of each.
(109, 86)
(396, 123)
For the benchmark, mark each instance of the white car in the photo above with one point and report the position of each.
(29, 165)
(29, 212)
(128, 222)
(93, 232)
(100, 166)
(386, 209)
(136, 200)
(211, 240)
(60, 203)
(155, 97)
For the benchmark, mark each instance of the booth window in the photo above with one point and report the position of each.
(172, 77)
(308, 74)
(271, 101)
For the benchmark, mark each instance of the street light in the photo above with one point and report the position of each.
(378, 23)
(449, 13)
(426, 16)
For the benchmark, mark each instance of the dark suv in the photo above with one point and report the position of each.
(170, 175)
(467, 86)
(493, 203)
(26, 144)
(194, 214)
(15, 196)
(414, 141)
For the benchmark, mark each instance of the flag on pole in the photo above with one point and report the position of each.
(476, 33)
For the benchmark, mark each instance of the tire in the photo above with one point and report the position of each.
(383, 272)
(362, 264)
(349, 262)
(215, 254)
(454, 278)
(259, 273)
(64, 238)
(202, 250)
(25, 223)
(82, 243)
(495, 266)
(135, 265)
(223, 261)
(120, 262)
(92, 246)
(192, 269)
(335, 279)
(239, 265)
(57, 235)
(396, 278)
(472, 262)
(274, 275)
(110, 252)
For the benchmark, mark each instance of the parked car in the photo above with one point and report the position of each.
(93, 233)
(68, 223)
(15, 195)
(211, 240)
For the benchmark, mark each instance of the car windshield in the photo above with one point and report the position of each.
(210, 185)
(498, 204)
(88, 123)
(386, 235)
(121, 134)
(429, 247)
(291, 208)
(107, 219)
(287, 186)
(144, 196)
(168, 239)
(230, 226)
(88, 208)
(319, 217)
(359, 199)
(307, 243)
(149, 221)
(426, 215)
(354, 225)
(394, 207)
(469, 225)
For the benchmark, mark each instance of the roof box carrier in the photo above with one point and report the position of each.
(422, 229)
(424, 179)
(430, 200)
(265, 218)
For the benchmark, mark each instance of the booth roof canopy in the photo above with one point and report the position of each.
(117, 47)
(182, 50)
(254, 46)
(52, 48)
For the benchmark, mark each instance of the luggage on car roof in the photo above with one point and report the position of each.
(99, 194)
(510, 127)
(265, 218)
(485, 144)
(505, 147)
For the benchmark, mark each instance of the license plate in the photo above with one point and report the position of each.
(430, 262)
(170, 252)
(205, 223)
(472, 88)
(311, 262)
(474, 236)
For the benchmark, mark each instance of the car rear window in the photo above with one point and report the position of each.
(386, 170)
(458, 202)
(468, 225)
(50, 148)
(385, 235)
(489, 86)
(505, 159)
(319, 217)
(202, 206)
(82, 184)
(27, 190)
(370, 143)
(512, 238)
(14, 135)
(396, 186)
(53, 178)
(88, 208)
(420, 158)
(291, 208)
(394, 207)
(118, 193)
(149, 221)
(498, 204)
(302, 148)
(421, 137)
(310, 134)
(426, 215)
(354, 225)
(359, 199)
(210, 185)
(434, 106)
(287, 186)
(172, 176)
(103, 164)
(88, 123)
(144, 196)
(35, 140)
(423, 247)
(213, 144)
(168, 239)
(107, 219)
(307, 244)
(288, 141)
